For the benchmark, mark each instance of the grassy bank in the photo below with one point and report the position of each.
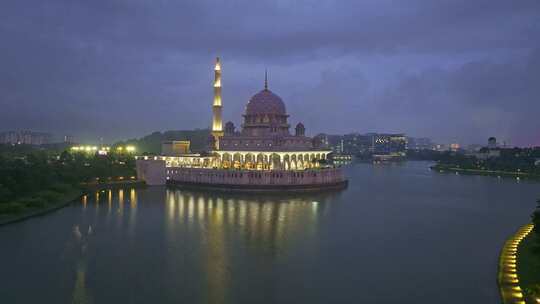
(528, 267)
(53, 199)
(42, 203)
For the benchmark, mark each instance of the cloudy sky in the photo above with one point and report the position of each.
(453, 70)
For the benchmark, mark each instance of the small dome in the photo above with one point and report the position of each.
(229, 128)
(265, 102)
(300, 130)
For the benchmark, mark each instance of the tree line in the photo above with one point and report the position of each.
(32, 177)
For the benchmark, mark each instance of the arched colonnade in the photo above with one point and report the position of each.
(257, 160)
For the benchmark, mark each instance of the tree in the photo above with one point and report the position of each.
(5, 194)
(66, 157)
(536, 218)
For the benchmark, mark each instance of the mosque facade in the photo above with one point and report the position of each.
(262, 154)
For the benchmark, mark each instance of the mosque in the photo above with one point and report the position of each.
(262, 156)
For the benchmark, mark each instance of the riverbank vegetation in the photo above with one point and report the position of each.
(528, 262)
(519, 162)
(152, 143)
(33, 178)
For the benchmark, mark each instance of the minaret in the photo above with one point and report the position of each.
(217, 123)
(265, 80)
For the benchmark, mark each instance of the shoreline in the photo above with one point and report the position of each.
(68, 199)
(479, 172)
(112, 185)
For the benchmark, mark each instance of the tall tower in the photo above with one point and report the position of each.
(217, 123)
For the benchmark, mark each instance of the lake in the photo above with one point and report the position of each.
(400, 233)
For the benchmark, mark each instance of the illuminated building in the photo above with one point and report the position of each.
(454, 147)
(389, 143)
(357, 144)
(217, 123)
(263, 154)
(175, 147)
(265, 142)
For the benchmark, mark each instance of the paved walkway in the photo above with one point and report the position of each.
(508, 279)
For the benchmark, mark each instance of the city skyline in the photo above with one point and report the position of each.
(455, 71)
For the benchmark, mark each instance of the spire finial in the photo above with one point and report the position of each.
(265, 79)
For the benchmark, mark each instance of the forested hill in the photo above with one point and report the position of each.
(152, 143)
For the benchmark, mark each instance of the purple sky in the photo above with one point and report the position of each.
(456, 70)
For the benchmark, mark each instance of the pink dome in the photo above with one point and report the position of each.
(265, 102)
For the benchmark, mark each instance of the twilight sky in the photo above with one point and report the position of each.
(453, 70)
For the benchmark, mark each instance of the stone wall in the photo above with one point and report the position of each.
(255, 178)
(152, 171)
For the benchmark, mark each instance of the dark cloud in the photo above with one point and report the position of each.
(453, 70)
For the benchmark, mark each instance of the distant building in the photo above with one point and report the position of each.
(455, 147)
(361, 144)
(175, 147)
(492, 143)
(68, 139)
(389, 143)
(474, 147)
(419, 143)
(326, 141)
(487, 154)
(321, 141)
(355, 143)
(25, 137)
(441, 147)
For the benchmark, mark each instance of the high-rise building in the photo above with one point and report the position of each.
(69, 139)
(389, 143)
(25, 137)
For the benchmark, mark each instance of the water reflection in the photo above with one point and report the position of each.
(157, 246)
(264, 223)
(213, 232)
(272, 222)
(225, 227)
(80, 242)
(132, 211)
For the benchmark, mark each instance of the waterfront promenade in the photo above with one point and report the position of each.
(508, 278)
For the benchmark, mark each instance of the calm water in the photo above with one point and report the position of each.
(399, 234)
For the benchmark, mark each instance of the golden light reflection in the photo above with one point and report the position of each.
(121, 196)
(120, 210)
(180, 202)
(133, 198)
(200, 209)
(132, 211)
(109, 201)
(267, 227)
